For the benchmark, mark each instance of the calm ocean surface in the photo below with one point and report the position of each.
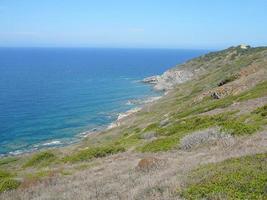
(49, 96)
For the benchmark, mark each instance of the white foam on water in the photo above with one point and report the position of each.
(52, 143)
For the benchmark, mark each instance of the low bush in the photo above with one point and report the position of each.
(161, 144)
(7, 160)
(262, 111)
(237, 178)
(127, 140)
(189, 125)
(228, 123)
(8, 184)
(207, 136)
(40, 159)
(205, 105)
(228, 79)
(151, 127)
(6, 181)
(94, 152)
(4, 174)
(236, 127)
(259, 90)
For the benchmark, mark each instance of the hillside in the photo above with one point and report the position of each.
(206, 138)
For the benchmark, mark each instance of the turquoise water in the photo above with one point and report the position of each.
(50, 96)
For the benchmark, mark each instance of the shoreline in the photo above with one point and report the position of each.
(78, 138)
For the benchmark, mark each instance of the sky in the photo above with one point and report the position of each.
(187, 24)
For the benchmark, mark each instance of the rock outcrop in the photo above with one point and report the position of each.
(169, 79)
(149, 163)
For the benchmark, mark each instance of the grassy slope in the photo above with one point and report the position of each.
(178, 108)
(238, 178)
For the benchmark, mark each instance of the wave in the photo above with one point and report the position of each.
(53, 143)
(19, 152)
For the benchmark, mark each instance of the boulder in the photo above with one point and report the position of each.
(149, 135)
(148, 163)
(151, 80)
(164, 122)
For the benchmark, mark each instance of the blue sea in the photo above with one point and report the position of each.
(50, 96)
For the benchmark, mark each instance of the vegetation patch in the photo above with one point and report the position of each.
(205, 105)
(40, 159)
(259, 90)
(128, 140)
(8, 184)
(237, 178)
(237, 127)
(6, 181)
(209, 103)
(189, 125)
(262, 111)
(228, 79)
(228, 122)
(151, 127)
(4, 174)
(94, 152)
(7, 160)
(161, 144)
(42, 174)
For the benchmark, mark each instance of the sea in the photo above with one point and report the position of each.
(49, 97)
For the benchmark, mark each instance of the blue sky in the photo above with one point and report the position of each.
(133, 23)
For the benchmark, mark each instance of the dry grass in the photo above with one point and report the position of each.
(210, 136)
(116, 177)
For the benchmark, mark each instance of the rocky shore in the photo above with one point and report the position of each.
(171, 77)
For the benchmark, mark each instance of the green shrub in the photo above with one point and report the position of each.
(237, 178)
(8, 184)
(40, 159)
(262, 111)
(227, 121)
(259, 90)
(161, 144)
(127, 140)
(6, 181)
(7, 160)
(4, 174)
(189, 125)
(151, 127)
(94, 152)
(205, 105)
(236, 127)
(229, 79)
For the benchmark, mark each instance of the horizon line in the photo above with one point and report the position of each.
(94, 47)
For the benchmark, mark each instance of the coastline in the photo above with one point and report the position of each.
(60, 133)
(138, 105)
(124, 115)
(160, 84)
